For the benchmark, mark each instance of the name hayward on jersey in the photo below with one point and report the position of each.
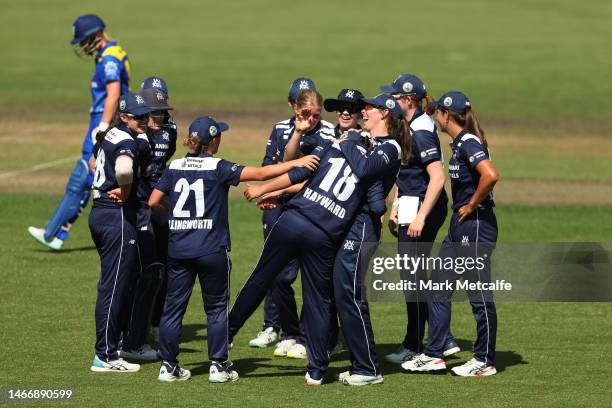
(468, 152)
(197, 186)
(333, 194)
(117, 142)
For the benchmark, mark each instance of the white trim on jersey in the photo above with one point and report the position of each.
(469, 136)
(423, 122)
(195, 163)
(396, 145)
(115, 136)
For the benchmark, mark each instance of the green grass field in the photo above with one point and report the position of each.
(536, 73)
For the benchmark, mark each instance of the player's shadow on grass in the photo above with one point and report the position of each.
(68, 250)
(190, 332)
(247, 366)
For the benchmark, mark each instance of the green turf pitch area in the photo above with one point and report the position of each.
(516, 58)
(549, 354)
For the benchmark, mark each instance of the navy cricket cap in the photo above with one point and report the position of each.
(300, 84)
(385, 101)
(406, 84)
(346, 98)
(133, 104)
(86, 25)
(155, 82)
(206, 128)
(155, 99)
(453, 101)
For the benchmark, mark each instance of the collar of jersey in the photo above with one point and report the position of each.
(202, 154)
(417, 113)
(454, 143)
(108, 44)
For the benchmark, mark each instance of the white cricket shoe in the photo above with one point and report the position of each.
(297, 351)
(474, 368)
(451, 348)
(264, 338)
(311, 382)
(172, 372)
(143, 353)
(115, 366)
(283, 346)
(39, 235)
(221, 372)
(359, 380)
(342, 375)
(401, 355)
(424, 363)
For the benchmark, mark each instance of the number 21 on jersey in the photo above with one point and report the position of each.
(184, 205)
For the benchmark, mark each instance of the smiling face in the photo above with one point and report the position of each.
(372, 117)
(157, 120)
(311, 112)
(136, 124)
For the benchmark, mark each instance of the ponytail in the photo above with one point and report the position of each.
(399, 127)
(429, 108)
(470, 123)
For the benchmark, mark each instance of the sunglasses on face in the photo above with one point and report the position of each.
(370, 107)
(139, 117)
(348, 110)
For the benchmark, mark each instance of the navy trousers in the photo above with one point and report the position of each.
(114, 233)
(416, 303)
(282, 291)
(143, 290)
(474, 237)
(213, 271)
(294, 236)
(159, 222)
(350, 266)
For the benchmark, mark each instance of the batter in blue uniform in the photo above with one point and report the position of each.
(420, 184)
(472, 233)
(110, 80)
(310, 229)
(197, 188)
(112, 223)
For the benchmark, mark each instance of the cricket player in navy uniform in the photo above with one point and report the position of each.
(472, 233)
(306, 105)
(112, 223)
(310, 229)
(385, 122)
(152, 154)
(197, 188)
(162, 134)
(347, 108)
(420, 183)
(110, 80)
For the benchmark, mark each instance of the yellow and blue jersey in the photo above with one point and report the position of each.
(111, 64)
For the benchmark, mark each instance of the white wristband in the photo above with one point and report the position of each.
(102, 126)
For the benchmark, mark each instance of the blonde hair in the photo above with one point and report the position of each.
(193, 144)
(308, 97)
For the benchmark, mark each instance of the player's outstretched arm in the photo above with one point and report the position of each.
(310, 162)
(278, 183)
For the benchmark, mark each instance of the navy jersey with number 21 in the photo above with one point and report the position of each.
(197, 187)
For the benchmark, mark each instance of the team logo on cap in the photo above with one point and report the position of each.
(194, 133)
(304, 85)
(122, 105)
(407, 87)
(213, 131)
(448, 101)
(390, 103)
(350, 94)
(160, 96)
(156, 83)
(139, 100)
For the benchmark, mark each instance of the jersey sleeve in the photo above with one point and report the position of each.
(300, 174)
(472, 153)
(126, 148)
(164, 184)
(425, 147)
(374, 164)
(111, 68)
(270, 154)
(309, 143)
(228, 173)
(376, 198)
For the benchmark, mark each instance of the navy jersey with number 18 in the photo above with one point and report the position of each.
(197, 187)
